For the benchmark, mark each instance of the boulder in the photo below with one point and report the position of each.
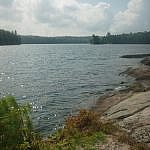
(135, 56)
(146, 61)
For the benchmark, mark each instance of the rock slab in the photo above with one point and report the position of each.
(133, 114)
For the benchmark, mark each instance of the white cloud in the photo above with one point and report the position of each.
(93, 16)
(6, 3)
(130, 19)
(73, 17)
(10, 10)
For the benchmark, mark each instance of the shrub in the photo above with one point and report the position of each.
(85, 121)
(15, 125)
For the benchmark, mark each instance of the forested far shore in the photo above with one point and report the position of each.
(29, 39)
(130, 38)
(12, 38)
(9, 38)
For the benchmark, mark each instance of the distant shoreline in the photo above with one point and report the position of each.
(8, 44)
(128, 38)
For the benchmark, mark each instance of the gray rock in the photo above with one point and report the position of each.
(130, 106)
(135, 56)
(133, 115)
(146, 61)
(142, 134)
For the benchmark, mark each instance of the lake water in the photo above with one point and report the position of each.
(58, 80)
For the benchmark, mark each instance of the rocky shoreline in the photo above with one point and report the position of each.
(130, 108)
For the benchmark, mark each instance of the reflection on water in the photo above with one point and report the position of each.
(58, 80)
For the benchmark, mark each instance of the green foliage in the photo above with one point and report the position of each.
(74, 142)
(9, 38)
(15, 125)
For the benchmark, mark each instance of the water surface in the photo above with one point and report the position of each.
(60, 79)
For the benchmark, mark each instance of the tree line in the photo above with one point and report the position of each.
(9, 38)
(130, 38)
(12, 38)
(55, 40)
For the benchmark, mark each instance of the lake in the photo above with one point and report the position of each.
(58, 80)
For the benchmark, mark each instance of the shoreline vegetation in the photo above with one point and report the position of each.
(125, 38)
(120, 120)
(9, 38)
(128, 38)
(12, 38)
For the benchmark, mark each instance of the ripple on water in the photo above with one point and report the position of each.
(57, 80)
(24, 96)
(21, 85)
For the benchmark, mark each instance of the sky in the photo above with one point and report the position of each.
(74, 17)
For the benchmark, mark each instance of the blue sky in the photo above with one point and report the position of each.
(74, 17)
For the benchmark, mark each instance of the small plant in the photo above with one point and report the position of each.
(85, 121)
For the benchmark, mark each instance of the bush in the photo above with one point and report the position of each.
(15, 125)
(85, 121)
